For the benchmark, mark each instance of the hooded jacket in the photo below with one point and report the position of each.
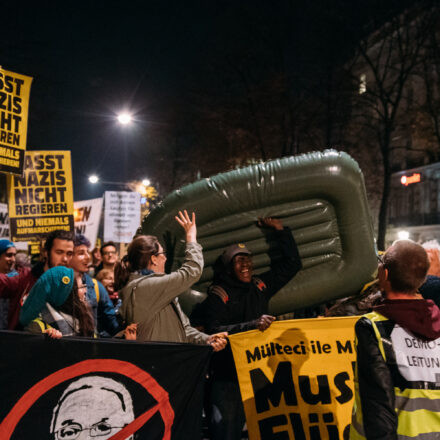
(398, 366)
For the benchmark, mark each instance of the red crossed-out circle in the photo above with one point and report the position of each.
(140, 376)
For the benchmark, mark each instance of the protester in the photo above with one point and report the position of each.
(238, 301)
(150, 300)
(58, 251)
(96, 261)
(7, 257)
(430, 289)
(396, 380)
(7, 262)
(100, 303)
(107, 278)
(109, 257)
(22, 260)
(57, 305)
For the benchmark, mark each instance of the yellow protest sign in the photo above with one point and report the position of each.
(296, 378)
(14, 103)
(42, 199)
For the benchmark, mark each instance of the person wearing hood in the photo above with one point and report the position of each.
(398, 354)
(238, 300)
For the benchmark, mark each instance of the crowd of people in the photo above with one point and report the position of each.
(72, 292)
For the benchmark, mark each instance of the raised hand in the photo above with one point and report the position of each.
(189, 225)
(271, 222)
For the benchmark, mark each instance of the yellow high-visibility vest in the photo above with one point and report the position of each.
(417, 409)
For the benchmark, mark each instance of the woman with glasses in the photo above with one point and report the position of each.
(149, 295)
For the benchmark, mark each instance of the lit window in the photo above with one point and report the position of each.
(362, 83)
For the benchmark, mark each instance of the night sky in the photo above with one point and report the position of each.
(90, 60)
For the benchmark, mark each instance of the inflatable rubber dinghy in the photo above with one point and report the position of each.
(320, 196)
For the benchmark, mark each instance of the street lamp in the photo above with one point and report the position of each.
(95, 179)
(124, 118)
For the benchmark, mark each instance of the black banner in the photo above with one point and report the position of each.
(99, 389)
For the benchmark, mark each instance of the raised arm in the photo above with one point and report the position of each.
(285, 259)
(156, 291)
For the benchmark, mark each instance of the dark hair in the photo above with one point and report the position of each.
(57, 234)
(79, 310)
(107, 243)
(407, 264)
(138, 256)
(80, 239)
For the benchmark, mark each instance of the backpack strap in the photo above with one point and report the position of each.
(96, 287)
(43, 326)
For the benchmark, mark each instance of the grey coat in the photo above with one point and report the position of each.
(151, 302)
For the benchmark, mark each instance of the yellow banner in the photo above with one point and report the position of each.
(42, 199)
(296, 378)
(14, 103)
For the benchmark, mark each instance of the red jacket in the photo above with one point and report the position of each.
(15, 289)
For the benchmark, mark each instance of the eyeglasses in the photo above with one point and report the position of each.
(163, 253)
(380, 259)
(109, 253)
(82, 286)
(74, 430)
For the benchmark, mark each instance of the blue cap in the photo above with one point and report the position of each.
(5, 244)
(53, 287)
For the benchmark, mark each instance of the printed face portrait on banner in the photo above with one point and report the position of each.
(84, 390)
(92, 407)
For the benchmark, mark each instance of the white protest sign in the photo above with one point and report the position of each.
(122, 215)
(4, 221)
(87, 215)
(417, 360)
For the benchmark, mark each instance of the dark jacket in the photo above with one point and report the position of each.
(233, 306)
(377, 409)
(431, 289)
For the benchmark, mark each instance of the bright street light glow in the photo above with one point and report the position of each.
(124, 118)
(93, 179)
(146, 182)
(403, 235)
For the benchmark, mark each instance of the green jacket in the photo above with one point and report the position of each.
(151, 302)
